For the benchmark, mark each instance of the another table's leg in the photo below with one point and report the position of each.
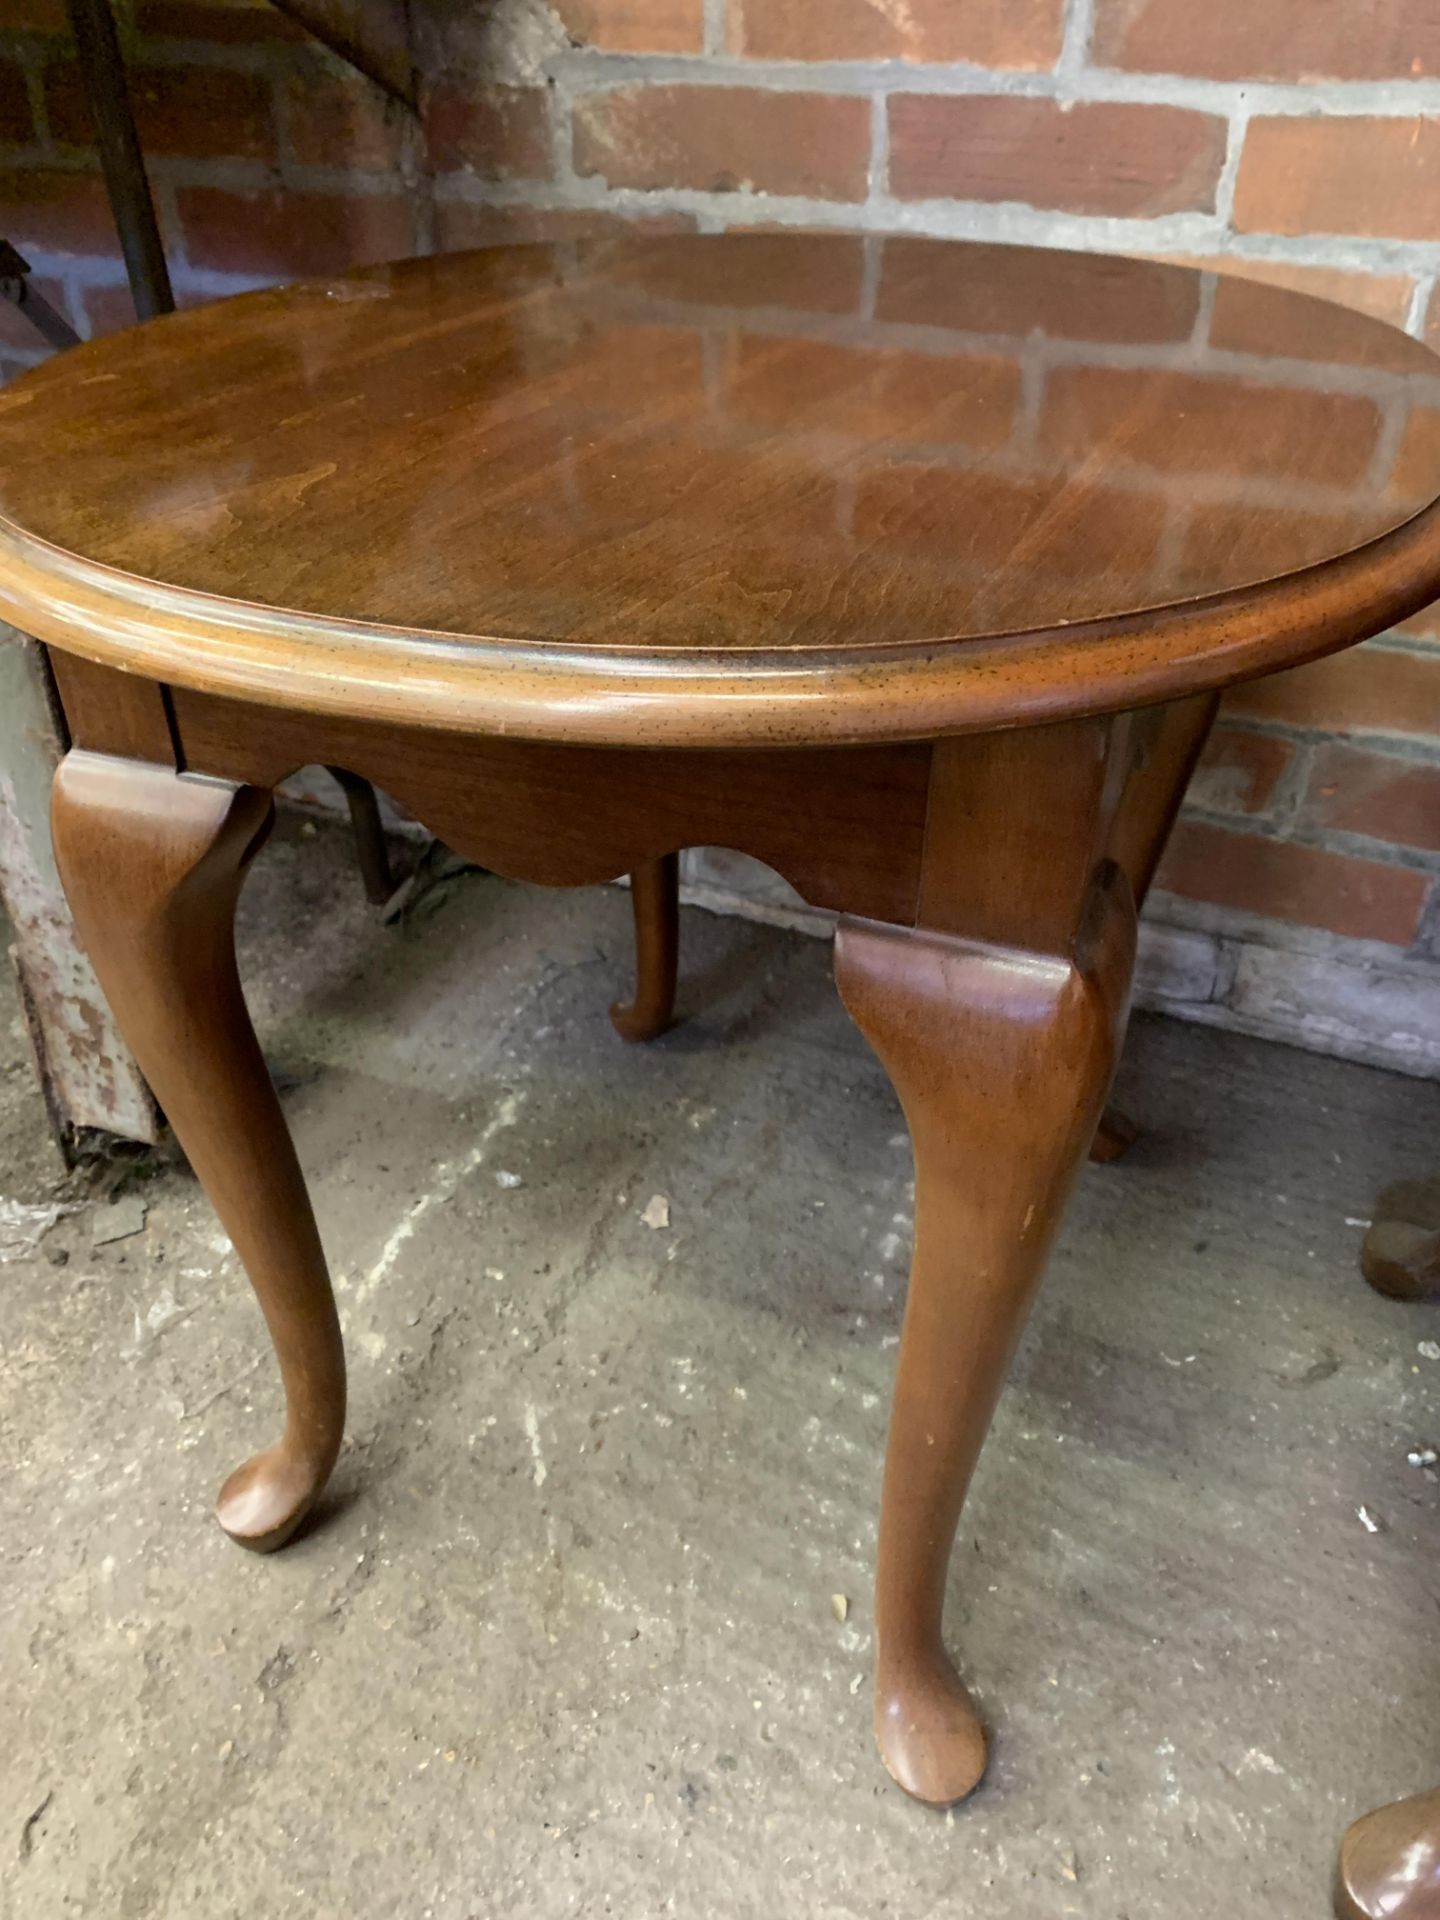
(1001, 1057)
(1114, 1136)
(1401, 1260)
(1389, 1867)
(152, 863)
(655, 895)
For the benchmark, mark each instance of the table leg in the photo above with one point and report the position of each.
(1114, 1136)
(1153, 797)
(1001, 1057)
(1401, 1260)
(655, 897)
(1389, 1866)
(152, 862)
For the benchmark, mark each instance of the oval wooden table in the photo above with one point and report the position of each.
(913, 568)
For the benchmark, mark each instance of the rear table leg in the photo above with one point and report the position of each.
(655, 896)
(1152, 798)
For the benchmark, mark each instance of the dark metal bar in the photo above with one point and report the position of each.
(15, 286)
(93, 25)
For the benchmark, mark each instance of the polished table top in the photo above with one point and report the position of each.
(708, 489)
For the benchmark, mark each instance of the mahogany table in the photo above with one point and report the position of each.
(913, 568)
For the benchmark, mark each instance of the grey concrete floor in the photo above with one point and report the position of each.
(562, 1641)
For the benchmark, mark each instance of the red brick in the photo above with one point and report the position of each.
(1308, 886)
(1209, 424)
(284, 234)
(724, 139)
(500, 133)
(461, 223)
(1251, 318)
(635, 26)
(1343, 174)
(201, 112)
(338, 118)
(231, 22)
(1376, 794)
(989, 33)
(45, 210)
(1363, 690)
(1089, 297)
(1239, 771)
(1101, 157)
(17, 127)
(1269, 39)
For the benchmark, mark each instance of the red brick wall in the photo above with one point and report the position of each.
(1294, 140)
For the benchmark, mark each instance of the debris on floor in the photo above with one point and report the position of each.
(23, 1226)
(656, 1211)
(121, 1220)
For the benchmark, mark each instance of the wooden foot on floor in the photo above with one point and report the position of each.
(1389, 1866)
(1401, 1254)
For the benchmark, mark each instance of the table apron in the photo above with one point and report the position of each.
(991, 836)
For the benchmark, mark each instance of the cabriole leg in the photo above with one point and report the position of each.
(1001, 1057)
(152, 863)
